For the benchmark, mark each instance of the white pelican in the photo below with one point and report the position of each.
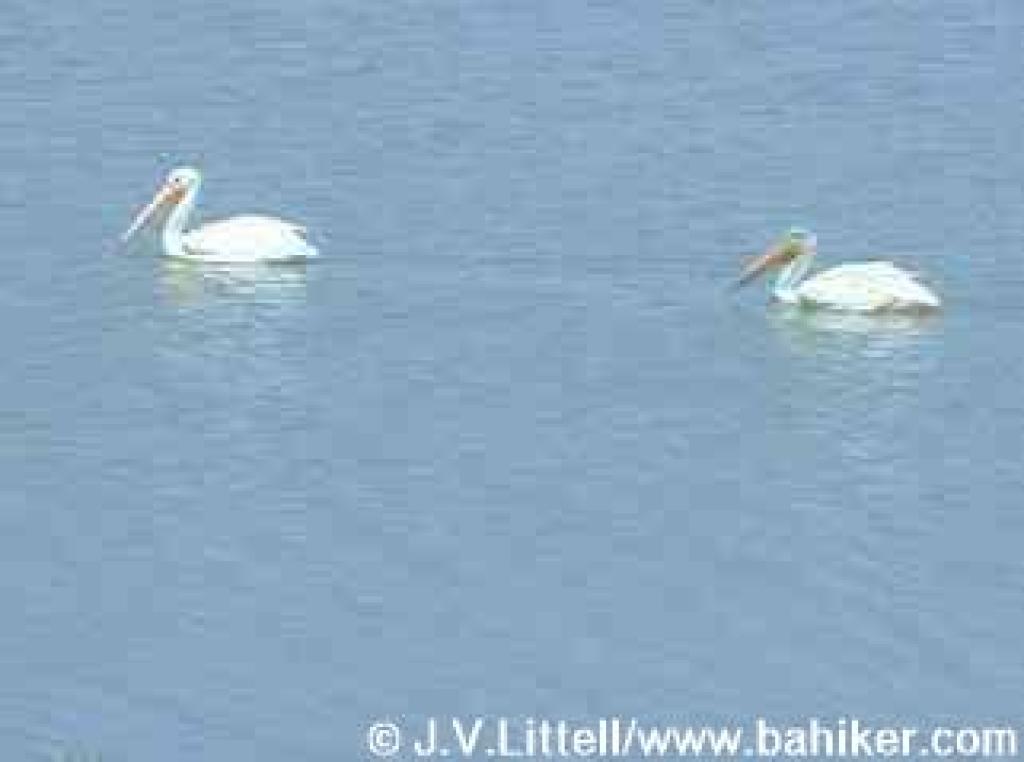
(854, 287)
(249, 238)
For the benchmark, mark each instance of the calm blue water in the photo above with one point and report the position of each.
(512, 446)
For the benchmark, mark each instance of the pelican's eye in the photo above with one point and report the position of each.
(792, 247)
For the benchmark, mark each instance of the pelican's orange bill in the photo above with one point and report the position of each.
(168, 195)
(776, 256)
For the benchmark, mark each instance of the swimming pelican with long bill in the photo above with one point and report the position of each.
(853, 287)
(248, 238)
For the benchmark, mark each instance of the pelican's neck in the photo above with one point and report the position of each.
(791, 275)
(177, 219)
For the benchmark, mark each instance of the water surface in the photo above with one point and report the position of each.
(512, 446)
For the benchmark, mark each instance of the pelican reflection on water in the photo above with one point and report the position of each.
(184, 283)
(860, 287)
(243, 239)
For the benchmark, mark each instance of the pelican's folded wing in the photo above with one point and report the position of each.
(249, 238)
(867, 287)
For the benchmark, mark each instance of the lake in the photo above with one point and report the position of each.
(513, 445)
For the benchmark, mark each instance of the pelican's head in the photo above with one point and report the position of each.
(180, 184)
(186, 177)
(797, 242)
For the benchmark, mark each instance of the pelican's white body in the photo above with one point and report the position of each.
(855, 287)
(248, 238)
